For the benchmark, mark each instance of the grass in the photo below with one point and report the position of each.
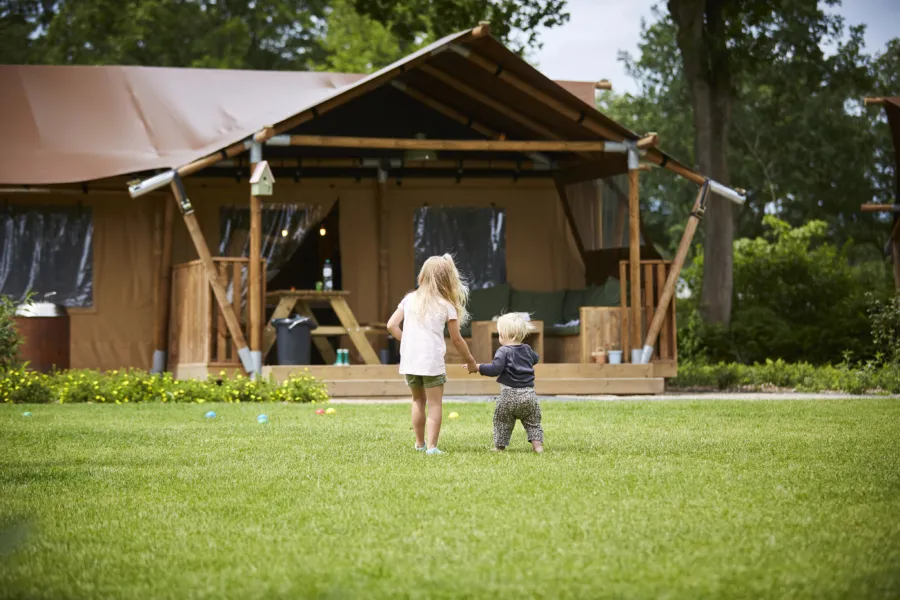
(631, 500)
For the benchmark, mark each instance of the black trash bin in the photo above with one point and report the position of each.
(293, 340)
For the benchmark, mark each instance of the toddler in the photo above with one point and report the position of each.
(513, 366)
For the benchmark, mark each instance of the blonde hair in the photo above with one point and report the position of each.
(514, 327)
(439, 279)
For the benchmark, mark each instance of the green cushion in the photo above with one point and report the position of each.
(490, 302)
(607, 294)
(543, 306)
(571, 330)
(573, 301)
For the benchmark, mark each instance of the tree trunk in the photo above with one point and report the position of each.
(701, 40)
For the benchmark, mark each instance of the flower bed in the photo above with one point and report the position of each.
(133, 386)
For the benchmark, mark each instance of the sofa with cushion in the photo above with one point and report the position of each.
(560, 312)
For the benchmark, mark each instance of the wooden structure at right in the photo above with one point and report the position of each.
(892, 109)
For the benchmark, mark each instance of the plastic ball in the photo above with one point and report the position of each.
(320, 411)
(262, 419)
(210, 415)
(453, 415)
(26, 414)
(330, 411)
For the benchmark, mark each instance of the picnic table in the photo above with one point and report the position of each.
(300, 301)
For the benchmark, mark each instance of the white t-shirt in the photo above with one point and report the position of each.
(422, 347)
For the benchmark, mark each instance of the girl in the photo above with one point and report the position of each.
(513, 366)
(440, 299)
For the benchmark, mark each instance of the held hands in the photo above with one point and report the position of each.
(472, 367)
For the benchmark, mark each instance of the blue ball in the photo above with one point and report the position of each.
(26, 414)
(210, 415)
(262, 419)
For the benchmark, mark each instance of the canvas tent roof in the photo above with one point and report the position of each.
(75, 124)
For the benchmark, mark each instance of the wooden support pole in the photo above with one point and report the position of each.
(634, 244)
(209, 269)
(322, 141)
(603, 84)
(163, 288)
(668, 291)
(384, 260)
(447, 111)
(895, 255)
(870, 101)
(570, 219)
(254, 271)
(649, 140)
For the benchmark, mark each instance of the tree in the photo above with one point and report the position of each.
(515, 22)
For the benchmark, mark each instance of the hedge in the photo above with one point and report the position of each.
(869, 378)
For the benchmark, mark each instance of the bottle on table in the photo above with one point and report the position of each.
(328, 285)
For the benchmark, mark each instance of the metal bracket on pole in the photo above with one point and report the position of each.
(184, 203)
(382, 175)
(247, 360)
(154, 183)
(726, 192)
(255, 153)
(634, 155)
(276, 140)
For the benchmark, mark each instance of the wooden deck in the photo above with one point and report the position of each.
(379, 381)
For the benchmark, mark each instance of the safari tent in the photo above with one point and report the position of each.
(176, 211)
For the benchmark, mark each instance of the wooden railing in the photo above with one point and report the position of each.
(653, 278)
(197, 330)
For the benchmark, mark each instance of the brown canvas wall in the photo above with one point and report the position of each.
(118, 331)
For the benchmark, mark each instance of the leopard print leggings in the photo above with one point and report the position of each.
(521, 404)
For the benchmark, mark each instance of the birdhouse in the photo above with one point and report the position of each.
(262, 181)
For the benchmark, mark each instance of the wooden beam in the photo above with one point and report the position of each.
(322, 141)
(649, 140)
(357, 163)
(570, 219)
(448, 111)
(587, 119)
(163, 288)
(873, 101)
(500, 107)
(895, 256)
(634, 253)
(668, 291)
(603, 84)
(874, 208)
(209, 269)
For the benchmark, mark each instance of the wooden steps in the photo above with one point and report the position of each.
(379, 381)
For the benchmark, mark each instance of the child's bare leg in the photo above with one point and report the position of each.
(537, 446)
(435, 396)
(418, 415)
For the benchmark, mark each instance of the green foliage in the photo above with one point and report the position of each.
(340, 35)
(10, 339)
(800, 140)
(869, 378)
(797, 298)
(885, 318)
(133, 386)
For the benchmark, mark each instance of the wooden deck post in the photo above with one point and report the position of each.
(254, 271)
(634, 241)
(384, 257)
(209, 269)
(672, 280)
(895, 250)
(163, 288)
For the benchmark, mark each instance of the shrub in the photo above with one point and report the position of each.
(869, 377)
(797, 298)
(885, 318)
(10, 338)
(134, 386)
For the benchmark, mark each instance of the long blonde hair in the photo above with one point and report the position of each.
(439, 279)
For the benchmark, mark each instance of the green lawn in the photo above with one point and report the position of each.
(631, 500)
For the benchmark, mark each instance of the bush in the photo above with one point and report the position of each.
(10, 338)
(133, 386)
(870, 377)
(885, 318)
(796, 298)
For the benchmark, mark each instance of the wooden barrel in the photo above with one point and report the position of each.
(46, 342)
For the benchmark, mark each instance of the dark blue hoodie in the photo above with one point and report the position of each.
(512, 366)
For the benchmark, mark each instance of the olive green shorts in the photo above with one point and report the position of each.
(425, 381)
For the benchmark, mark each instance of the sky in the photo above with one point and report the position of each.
(586, 48)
